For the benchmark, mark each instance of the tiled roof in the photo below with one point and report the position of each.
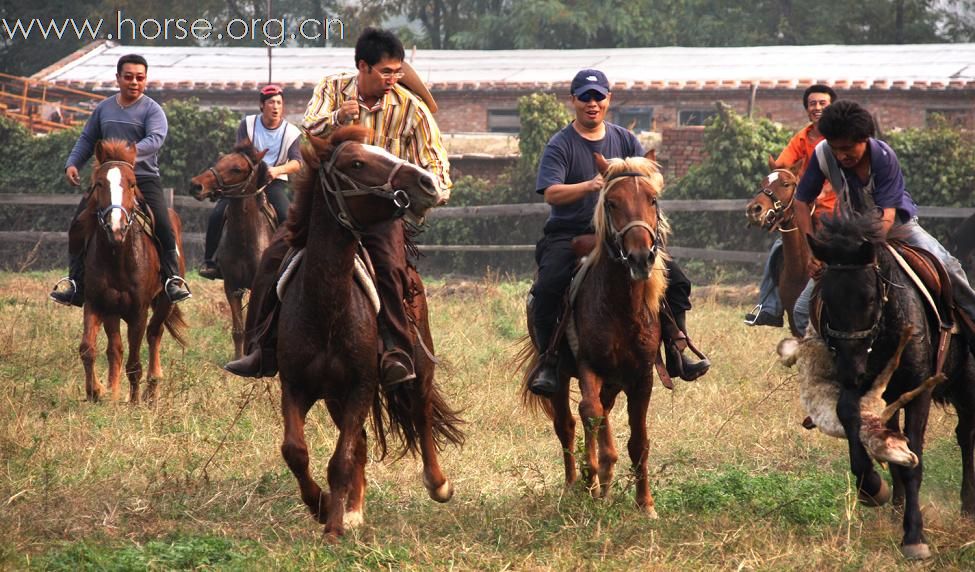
(886, 67)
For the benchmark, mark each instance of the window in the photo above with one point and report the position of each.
(635, 119)
(958, 118)
(503, 121)
(689, 117)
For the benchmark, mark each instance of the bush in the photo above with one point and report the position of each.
(196, 137)
(541, 116)
(938, 164)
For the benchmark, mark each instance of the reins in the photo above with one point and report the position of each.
(615, 248)
(222, 188)
(102, 214)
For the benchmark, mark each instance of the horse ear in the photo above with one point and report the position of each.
(818, 248)
(796, 167)
(132, 151)
(866, 252)
(99, 151)
(313, 149)
(601, 163)
(772, 164)
(261, 155)
(651, 154)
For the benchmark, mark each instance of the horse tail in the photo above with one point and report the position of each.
(397, 412)
(177, 326)
(527, 360)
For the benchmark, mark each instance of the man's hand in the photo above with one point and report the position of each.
(596, 184)
(71, 175)
(273, 172)
(814, 268)
(348, 111)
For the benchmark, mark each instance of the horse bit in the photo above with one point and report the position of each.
(616, 248)
(329, 178)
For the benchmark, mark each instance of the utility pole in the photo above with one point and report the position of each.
(269, 47)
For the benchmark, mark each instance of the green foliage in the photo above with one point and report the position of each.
(196, 137)
(737, 149)
(34, 164)
(938, 164)
(542, 115)
(176, 553)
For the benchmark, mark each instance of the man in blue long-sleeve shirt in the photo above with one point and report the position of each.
(130, 116)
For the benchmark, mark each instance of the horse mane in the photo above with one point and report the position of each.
(649, 171)
(118, 150)
(843, 234)
(314, 150)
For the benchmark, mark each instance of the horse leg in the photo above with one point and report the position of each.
(87, 349)
(161, 308)
(355, 505)
(637, 405)
(914, 546)
(113, 352)
(294, 409)
(872, 490)
(342, 477)
(437, 484)
(565, 428)
(607, 445)
(592, 416)
(964, 403)
(133, 366)
(235, 298)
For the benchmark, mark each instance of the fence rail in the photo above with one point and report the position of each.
(513, 210)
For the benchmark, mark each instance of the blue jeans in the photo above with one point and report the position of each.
(768, 291)
(916, 236)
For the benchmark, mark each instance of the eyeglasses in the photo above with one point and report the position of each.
(390, 75)
(271, 90)
(591, 95)
(130, 77)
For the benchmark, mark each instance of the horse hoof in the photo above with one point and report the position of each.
(880, 498)
(352, 519)
(916, 551)
(649, 511)
(443, 493)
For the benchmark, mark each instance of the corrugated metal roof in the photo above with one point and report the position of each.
(926, 66)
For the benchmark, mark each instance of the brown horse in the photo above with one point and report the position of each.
(772, 210)
(615, 318)
(122, 277)
(328, 341)
(239, 177)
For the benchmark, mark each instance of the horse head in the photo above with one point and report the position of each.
(239, 173)
(627, 218)
(114, 193)
(772, 206)
(852, 289)
(365, 184)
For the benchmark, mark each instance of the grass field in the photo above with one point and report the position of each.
(197, 481)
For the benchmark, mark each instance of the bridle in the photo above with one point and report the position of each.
(223, 188)
(103, 214)
(776, 216)
(331, 180)
(615, 247)
(869, 334)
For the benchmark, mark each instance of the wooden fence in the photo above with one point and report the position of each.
(510, 210)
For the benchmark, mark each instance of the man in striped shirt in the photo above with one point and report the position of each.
(401, 122)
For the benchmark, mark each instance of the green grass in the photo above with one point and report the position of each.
(738, 484)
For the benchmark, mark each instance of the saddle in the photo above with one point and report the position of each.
(931, 279)
(365, 275)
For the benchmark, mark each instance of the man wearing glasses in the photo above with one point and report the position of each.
(269, 131)
(570, 183)
(130, 116)
(399, 120)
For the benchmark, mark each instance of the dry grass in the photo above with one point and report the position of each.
(738, 483)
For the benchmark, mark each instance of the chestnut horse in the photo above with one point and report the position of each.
(867, 301)
(328, 341)
(240, 177)
(615, 316)
(122, 277)
(773, 209)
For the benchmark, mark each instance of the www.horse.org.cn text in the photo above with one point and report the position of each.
(271, 31)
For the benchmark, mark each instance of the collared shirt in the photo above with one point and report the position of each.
(800, 148)
(399, 122)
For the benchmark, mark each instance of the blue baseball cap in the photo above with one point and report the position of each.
(589, 80)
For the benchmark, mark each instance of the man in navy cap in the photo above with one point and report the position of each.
(570, 183)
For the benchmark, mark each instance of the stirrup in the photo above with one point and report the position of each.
(74, 291)
(755, 312)
(177, 281)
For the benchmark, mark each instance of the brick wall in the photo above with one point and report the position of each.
(680, 149)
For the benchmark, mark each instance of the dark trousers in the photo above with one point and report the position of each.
(386, 245)
(276, 195)
(152, 192)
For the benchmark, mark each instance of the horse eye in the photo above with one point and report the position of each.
(357, 164)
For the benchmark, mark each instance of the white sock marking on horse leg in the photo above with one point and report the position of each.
(353, 518)
(114, 176)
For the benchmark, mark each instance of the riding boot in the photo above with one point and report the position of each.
(209, 268)
(673, 332)
(73, 293)
(173, 283)
(395, 363)
(545, 378)
(262, 361)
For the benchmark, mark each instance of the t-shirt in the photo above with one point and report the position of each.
(800, 148)
(885, 184)
(568, 159)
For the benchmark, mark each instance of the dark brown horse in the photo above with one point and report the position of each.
(122, 277)
(616, 325)
(772, 209)
(328, 341)
(239, 177)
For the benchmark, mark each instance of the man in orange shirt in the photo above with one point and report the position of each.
(769, 310)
